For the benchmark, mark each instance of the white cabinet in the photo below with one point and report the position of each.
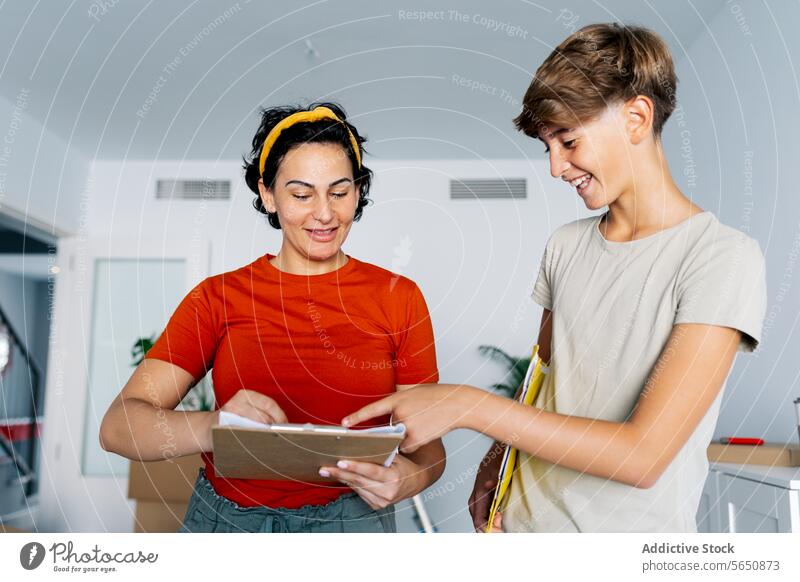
(708, 514)
(750, 499)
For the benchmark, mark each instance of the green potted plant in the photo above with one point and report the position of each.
(516, 368)
(199, 398)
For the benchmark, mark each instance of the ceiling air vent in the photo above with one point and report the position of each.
(491, 189)
(193, 189)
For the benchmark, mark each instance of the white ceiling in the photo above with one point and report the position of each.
(90, 65)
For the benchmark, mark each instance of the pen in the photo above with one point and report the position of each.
(741, 441)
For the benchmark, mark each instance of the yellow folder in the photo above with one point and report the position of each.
(534, 377)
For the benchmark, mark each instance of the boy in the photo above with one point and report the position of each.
(645, 307)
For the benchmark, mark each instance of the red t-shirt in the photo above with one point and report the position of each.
(321, 346)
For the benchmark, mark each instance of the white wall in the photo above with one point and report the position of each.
(42, 176)
(735, 148)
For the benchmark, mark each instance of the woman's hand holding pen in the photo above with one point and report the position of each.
(255, 406)
(249, 404)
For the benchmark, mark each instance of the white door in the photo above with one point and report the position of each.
(108, 294)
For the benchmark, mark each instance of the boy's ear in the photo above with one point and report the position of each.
(267, 197)
(639, 118)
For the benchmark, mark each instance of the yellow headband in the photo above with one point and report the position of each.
(314, 115)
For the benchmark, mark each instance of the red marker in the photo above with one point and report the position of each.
(741, 441)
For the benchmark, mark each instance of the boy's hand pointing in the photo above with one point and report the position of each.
(428, 411)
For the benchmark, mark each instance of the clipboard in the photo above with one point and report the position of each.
(534, 377)
(244, 449)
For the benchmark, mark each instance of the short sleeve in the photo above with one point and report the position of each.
(190, 338)
(542, 293)
(724, 284)
(416, 350)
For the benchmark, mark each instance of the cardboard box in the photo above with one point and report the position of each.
(158, 517)
(775, 455)
(162, 490)
(170, 481)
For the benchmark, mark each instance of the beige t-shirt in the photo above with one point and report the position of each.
(614, 305)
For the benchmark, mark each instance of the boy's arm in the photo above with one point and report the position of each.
(683, 383)
(685, 380)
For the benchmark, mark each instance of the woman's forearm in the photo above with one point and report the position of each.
(432, 458)
(606, 449)
(138, 430)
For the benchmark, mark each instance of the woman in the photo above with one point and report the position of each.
(645, 307)
(303, 336)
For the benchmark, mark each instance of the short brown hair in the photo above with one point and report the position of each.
(599, 65)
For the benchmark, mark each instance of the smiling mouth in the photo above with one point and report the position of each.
(322, 234)
(581, 182)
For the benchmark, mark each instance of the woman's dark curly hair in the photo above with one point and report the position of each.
(322, 131)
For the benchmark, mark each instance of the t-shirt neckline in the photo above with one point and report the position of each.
(274, 272)
(621, 245)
